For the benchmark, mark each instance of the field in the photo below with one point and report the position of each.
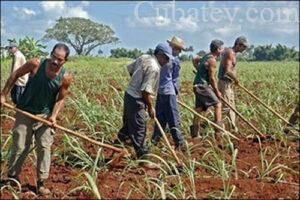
(230, 169)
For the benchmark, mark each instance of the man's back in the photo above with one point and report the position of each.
(144, 73)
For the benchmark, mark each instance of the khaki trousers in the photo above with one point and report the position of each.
(226, 88)
(24, 130)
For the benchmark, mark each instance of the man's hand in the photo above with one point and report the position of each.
(3, 99)
(52, 119)
(151, 112)
(237, 82)
(219, 94)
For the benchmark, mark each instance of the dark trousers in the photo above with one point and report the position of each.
(16, 93)
(167, 113)
(134, 124)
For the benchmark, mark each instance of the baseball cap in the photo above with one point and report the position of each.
(165, 49)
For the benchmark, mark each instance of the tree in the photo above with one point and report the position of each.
(280, 52)
(150, 52)
(122, 52)
(201, 53)
(30, 47)
(82, 34)
(185, 57)
(190, 48)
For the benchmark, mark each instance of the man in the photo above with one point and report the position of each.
(43, 96)
(144, 82)
(166, 104)
(205, 86)
(227, 76)
(18, 59)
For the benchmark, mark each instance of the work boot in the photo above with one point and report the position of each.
(41, 188)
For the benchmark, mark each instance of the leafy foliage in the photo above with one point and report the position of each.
(30, 47)
(125, 53)
(82, 34)
(280, 52)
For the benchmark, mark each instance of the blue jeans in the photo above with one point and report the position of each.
(167, 113)
(16, 93)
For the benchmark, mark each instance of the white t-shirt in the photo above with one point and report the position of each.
(19, 60)
(144, 73)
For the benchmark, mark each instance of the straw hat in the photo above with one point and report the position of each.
(177, 42)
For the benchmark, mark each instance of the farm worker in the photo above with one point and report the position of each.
(18, 59)
(43, 96)
(144, 82)
(166, 104)
(228, 77)
(205, 86)
(293, 119)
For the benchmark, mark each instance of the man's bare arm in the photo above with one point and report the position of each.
(212, 69)
(28, 67)
(229, 59)
(63, 93)
(196, 61)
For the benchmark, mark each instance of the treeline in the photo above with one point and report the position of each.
(258, 53)
(34, 48)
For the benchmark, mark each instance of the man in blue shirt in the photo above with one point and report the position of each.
(166, 104)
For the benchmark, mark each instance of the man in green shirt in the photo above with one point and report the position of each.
(205, 86)
(44, 96)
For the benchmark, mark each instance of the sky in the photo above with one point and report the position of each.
(144, 24)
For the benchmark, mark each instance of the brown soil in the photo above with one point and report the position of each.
(113, 183)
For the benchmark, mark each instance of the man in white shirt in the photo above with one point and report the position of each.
(18, 60)
(144, 82)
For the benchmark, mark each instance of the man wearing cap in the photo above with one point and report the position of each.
(227, 76)
(143, 84)
(166, 104)
(18, 59)
(205, 86)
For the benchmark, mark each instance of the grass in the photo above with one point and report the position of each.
(95, 107)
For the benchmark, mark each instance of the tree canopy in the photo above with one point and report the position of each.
(82, 34)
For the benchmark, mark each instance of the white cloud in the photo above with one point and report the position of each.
(60, 8)
(77, 12)
(53, 6)
(28, 11)
(228, 30)
(158, 21)
(188, 24)
(24, 13)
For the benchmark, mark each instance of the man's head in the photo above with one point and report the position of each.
(216, 47)
(241, 44)
(59, 54)
(177, 45)
(163, 53)
(12, 48)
